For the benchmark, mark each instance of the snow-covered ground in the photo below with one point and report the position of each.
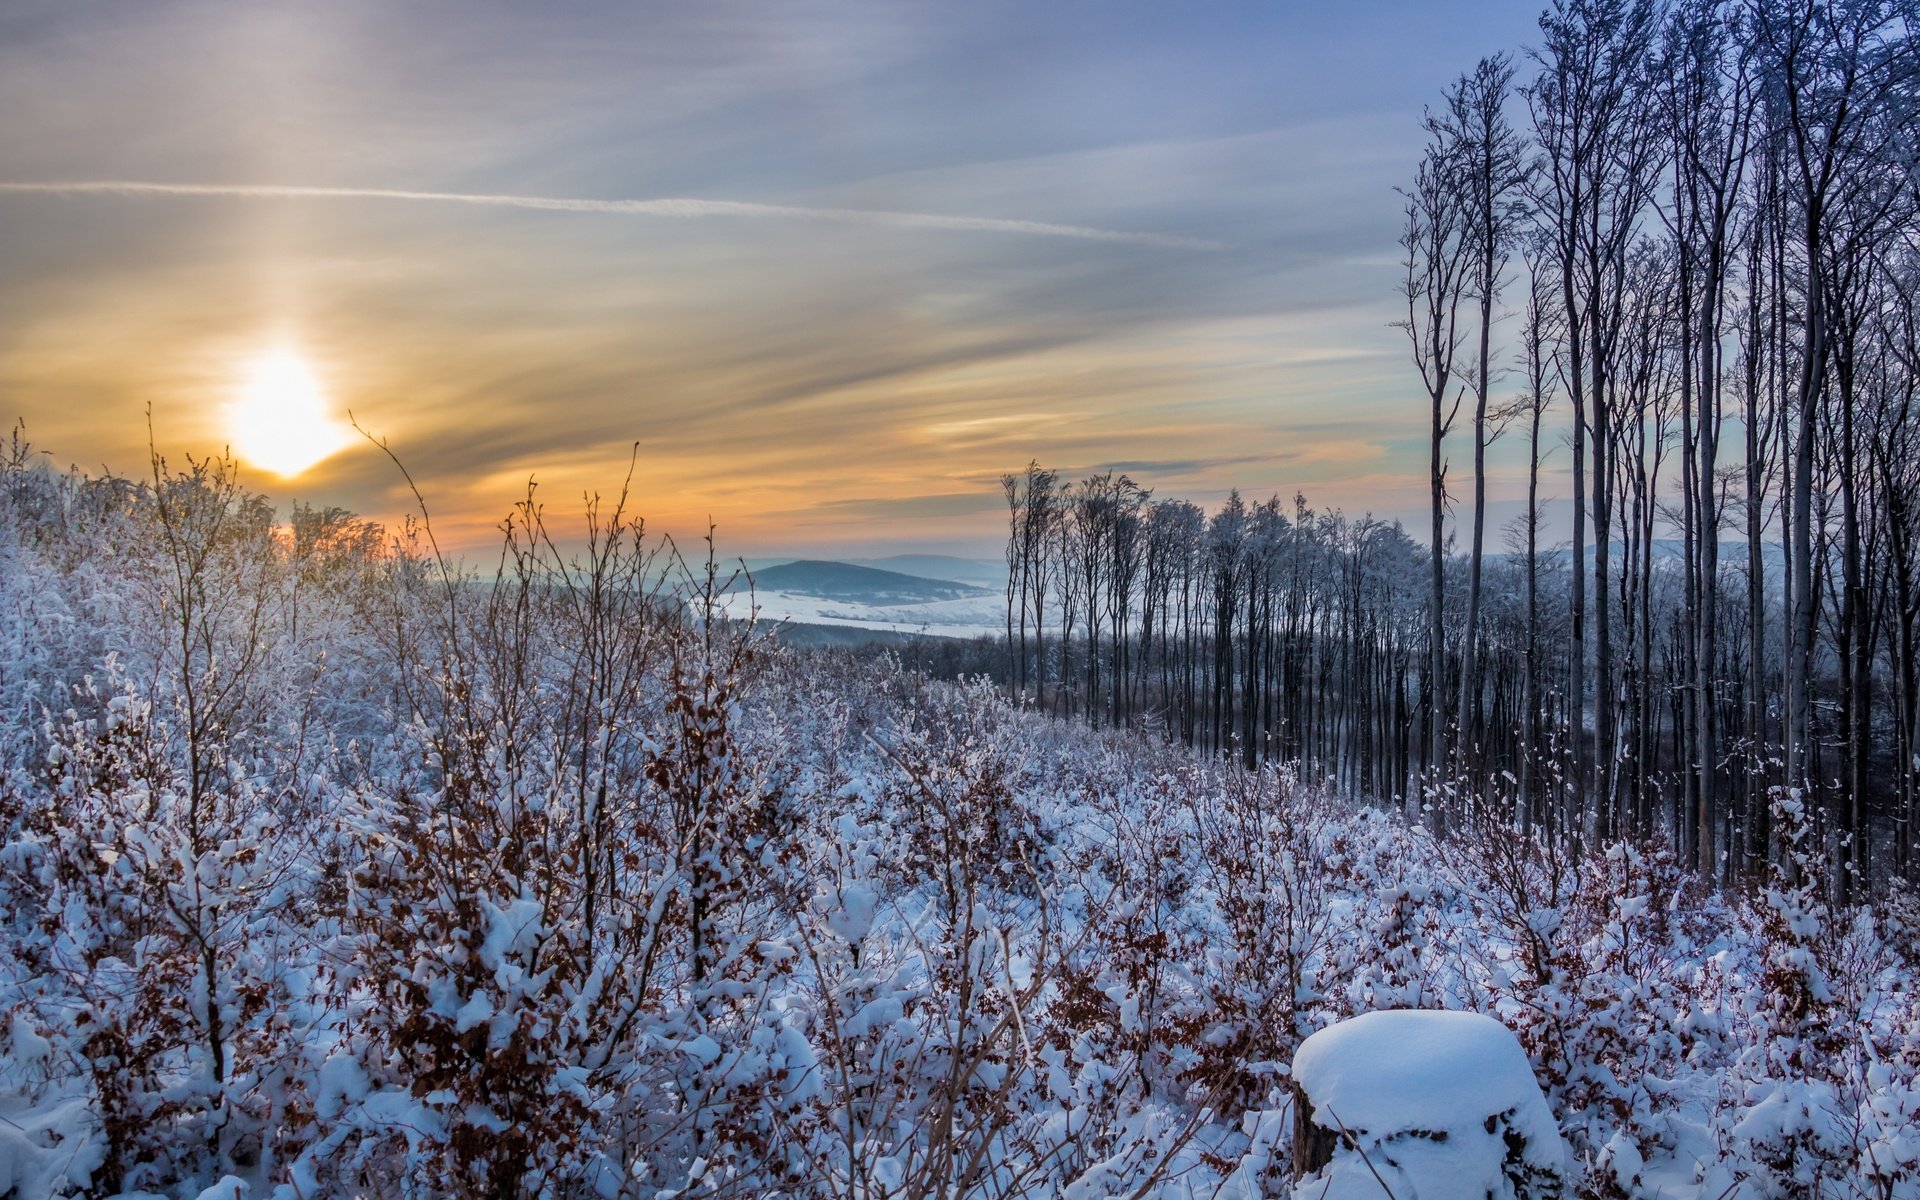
(371, 886)
(967, 617)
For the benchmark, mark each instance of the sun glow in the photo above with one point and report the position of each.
(279, 419)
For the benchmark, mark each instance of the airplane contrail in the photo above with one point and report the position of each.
(666, 207)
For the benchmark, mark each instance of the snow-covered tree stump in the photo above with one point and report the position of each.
(1422, 1106)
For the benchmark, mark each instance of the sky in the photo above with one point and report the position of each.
(910, 247)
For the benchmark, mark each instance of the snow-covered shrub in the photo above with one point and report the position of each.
(464, 1039)
(957, 1054)
(1825, 1097)
(116, 981)
(735, 1072)
(159, 860)
(1261, 838)
(1593, 962)
(923, 1069)
(921, 1023)
(1129, 1003)
(957, 805)
(1396, 943)
(159, 919)
(547, 985)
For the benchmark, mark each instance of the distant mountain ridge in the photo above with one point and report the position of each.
(945, 567)
(856, 584)
(1667, 551)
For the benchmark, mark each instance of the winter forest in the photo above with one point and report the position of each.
(1685, 240)
(1269, 851)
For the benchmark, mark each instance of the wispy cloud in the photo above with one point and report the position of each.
(678, 207)
(941, 504)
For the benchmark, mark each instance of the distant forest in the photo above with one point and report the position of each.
(1675, 250)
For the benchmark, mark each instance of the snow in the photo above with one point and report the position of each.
(907, 886)
(850, 915)
(18, 1161)
(1429, 1097)
(230, 1187)
(511, 931)
(1389, 1072)
(26, 1047)
(341, 1082)
(964, 617)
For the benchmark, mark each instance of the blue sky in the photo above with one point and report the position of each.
(814, 384)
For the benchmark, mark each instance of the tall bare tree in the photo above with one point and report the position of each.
(1438, 257)
(1492, 166)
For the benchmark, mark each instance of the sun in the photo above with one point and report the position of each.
(279, 419)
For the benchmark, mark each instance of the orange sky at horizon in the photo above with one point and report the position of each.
(929, 246)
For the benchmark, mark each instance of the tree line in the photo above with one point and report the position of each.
(1674, 248)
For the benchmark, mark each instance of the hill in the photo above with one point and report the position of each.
(987, 573)
(850, 583)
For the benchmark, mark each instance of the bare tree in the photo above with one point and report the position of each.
(1438, 254)
(1493, 173)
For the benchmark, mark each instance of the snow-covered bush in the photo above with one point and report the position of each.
(1597, 961)
(1823, 1095)
(1396, 950)
(1261, 839)
(154, 859)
